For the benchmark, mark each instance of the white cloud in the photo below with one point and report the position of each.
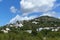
(25, 14)
(56, 5)
(28, 6)
(29, 18)
(13, 9)
(15, 19)
(53, 14)
(21, 18)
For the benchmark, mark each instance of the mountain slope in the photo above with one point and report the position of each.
(43, 21)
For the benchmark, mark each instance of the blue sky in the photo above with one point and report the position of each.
(9, 9)
(5, 13)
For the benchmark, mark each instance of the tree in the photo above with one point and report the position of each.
(34, 31)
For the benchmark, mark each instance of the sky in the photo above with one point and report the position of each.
(13, 10)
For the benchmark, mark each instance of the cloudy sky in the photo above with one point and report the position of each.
(12, 10)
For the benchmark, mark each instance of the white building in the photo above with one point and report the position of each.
(5, 31)
(56, 29)
(53, 30)
(39, 29)
(29, 31)
(46, 28)
(35, 22)
(19, 25)
(11, 25)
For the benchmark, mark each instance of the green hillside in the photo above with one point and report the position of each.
(43, 21)
(19, 32)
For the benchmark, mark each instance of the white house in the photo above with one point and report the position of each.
(56, 29)
(53, 30)
(5, 31)
(39, 29)
(11, 25)
(29, 31)
(46, 28)
(35, 22)
(18, 25)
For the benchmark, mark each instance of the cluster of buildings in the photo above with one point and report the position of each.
(49, 28)
(6, 30)
(38, 30)
(29, 31)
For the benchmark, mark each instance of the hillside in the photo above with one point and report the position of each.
(43, 21)
(26, 30)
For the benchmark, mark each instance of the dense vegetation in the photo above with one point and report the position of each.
(21, 34)
(44, 21)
